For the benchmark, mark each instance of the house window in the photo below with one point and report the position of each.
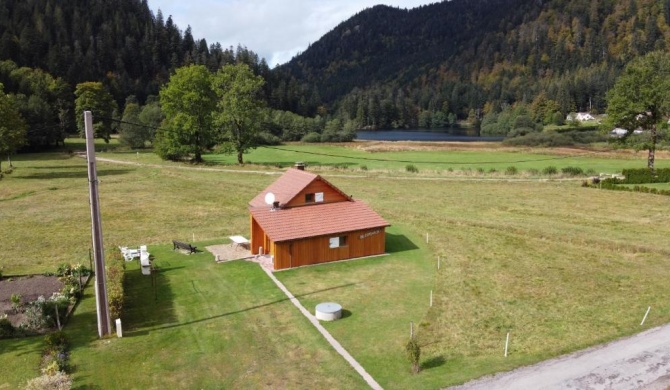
(337, 242)
(318, 197)
(309, 198)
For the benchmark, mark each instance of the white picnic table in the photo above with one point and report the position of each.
(239, 240)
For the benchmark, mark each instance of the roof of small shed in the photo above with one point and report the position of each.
(311, 221)
(288, 186)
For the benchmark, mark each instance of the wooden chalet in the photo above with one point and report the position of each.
(310, 221)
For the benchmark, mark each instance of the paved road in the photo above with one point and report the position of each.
(638, 362)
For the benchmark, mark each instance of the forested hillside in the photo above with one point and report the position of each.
(389, 67)
(47, 47)
(384, 67)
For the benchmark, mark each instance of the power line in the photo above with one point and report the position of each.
(426, 162)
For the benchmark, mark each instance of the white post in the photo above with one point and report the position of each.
(506, 344)
(645, 316)
(431, 298)
(119, 331)
(193, 237)
(438, 262)
(411, 329)
(426, 237)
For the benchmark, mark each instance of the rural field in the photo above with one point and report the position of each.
(558, 266)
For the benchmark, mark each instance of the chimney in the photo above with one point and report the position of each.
(300, 166)
(275, 205)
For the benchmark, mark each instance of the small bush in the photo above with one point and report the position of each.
(6, 328)
(115, 271)
(266, 138)
(492, 170)
(644, 175)
(511, 170)
(364, 167)
(540, 139)
(59, 381)
(413, 351)
(550, 170)
(311, 137)
(411, 168)
(480, 170)
(16, 302)
(572, 171)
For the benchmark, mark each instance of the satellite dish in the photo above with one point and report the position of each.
(269, 198)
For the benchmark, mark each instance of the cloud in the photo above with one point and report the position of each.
(274, 29)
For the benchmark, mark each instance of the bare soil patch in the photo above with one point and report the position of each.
(30, 288)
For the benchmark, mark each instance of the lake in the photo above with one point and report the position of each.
(454, 135)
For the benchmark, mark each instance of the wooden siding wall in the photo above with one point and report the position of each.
(330, 195)
(258, 237)
(317, 250)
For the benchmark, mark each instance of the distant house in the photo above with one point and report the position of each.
(302, 219)
(580, 116)
(619, 132)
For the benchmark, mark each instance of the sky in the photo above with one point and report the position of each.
(274, 29)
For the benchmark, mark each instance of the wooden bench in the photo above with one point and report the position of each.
(183, 245)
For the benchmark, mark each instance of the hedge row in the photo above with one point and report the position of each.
(644, 175)
(609, 184)
(115, 270)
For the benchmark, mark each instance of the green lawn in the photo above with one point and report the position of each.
(205, 326)
(559, 266)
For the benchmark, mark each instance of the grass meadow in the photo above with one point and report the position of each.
(559, 266)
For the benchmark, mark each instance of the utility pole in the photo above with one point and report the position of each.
(101, 303)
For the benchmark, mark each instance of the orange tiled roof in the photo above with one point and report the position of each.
(316, 220)
(288, 186)
(285, 188)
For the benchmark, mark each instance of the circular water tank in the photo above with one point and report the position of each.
(328, 311)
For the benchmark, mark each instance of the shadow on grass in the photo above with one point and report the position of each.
(75, 175)
(169, 326)
(346, 313)
(149, 300)
(398, 243)
(433, 362)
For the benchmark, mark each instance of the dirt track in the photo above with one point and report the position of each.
(638, 362)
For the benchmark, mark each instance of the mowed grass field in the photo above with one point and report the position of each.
(558, 266)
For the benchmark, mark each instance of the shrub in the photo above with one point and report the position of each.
(266, 138)
(311, 137)
(480, 170)
(115, 272)
(572, 171)
(644, 175)
(364, 167)
(549, 138)
(6, 327)
(511, 170)
(550, 170)
(16, 302)
(411, 168)
(56, 342)
(413, 351)
(59, 381)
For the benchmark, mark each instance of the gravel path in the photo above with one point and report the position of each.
(638, 362)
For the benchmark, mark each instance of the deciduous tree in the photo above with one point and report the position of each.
(12, 126)
(640, 98)
(239, 92)
(92, 96)
(188, 102)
